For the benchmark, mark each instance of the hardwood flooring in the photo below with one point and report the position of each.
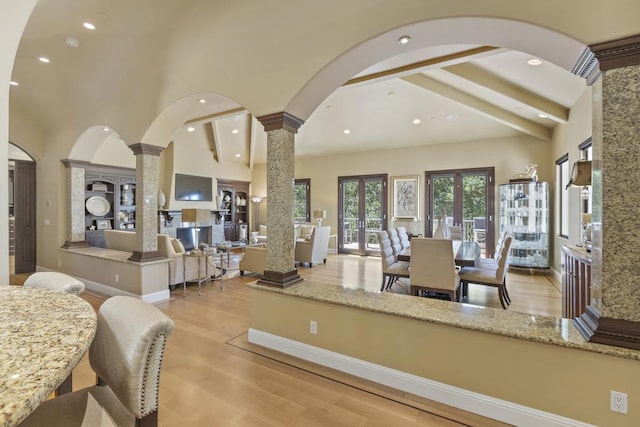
(212, 376)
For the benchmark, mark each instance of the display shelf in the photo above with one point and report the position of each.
(524, 211)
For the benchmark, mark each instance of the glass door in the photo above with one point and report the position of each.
(463, 198)
(362, 213)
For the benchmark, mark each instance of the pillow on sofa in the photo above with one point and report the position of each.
(263, 230)
(297, 231)
(177, 245)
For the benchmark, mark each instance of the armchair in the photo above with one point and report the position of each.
(315, 249)
(174, 250)
(254, 259)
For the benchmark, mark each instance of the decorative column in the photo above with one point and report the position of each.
(613, 317)
(280, 270)
(147, 159)
(75, 203)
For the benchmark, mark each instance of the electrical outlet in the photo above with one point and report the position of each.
(618, 402)
(313, 327)
(117, 277)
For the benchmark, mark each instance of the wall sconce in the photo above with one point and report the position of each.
(580, 174)
(319, 215)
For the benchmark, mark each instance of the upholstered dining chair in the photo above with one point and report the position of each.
(392, 269)
(491, 273)
(433, 267)
(126, 355)
(404, 237)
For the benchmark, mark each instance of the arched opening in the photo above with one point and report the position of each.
(22, 211)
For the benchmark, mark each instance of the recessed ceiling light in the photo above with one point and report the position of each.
(71, 42)
(451, 116)
(202, 101)
(191, 129)
(404, 39)
(44, 59)
(327, 107)
(416, 121)
(391, 93)
(106, 129)
(347, 131)
(12, 83)
(237, 155)
(543, 116)
(234, 131)
(534, 61)
(88, 25)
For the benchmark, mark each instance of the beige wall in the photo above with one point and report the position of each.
(558, 380)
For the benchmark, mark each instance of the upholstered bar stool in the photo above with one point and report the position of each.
(55, 281)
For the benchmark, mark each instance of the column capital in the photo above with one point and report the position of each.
(282, 120)
(617, 53)
(141, 148)
(70, 163)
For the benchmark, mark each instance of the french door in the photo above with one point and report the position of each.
(362, 207)
(463, 198)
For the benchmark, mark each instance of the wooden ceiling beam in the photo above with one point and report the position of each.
(481, 106)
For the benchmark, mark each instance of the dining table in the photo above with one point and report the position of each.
(466, 253)
(43, 335)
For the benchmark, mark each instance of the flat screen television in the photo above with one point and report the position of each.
(191, 187)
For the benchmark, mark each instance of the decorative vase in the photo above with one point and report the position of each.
(237, 200)
(219, 201)
(227, 198)
(162, 199)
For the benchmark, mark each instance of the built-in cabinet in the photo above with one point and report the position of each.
(233, 197)
(110, 202)
(524, 211)
(576, 281)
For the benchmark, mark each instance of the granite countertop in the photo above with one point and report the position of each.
(43, 335)
(541, 329)
(110, 254)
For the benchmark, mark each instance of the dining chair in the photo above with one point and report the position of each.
(492, 263)
(126, 356)
(57, 281)
(491, 275)
(404, 237)
(455, 232)
(433, 267)
(392, 269)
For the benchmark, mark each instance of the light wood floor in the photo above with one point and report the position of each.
(212, 376)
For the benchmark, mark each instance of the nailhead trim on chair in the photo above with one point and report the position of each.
(149, 382)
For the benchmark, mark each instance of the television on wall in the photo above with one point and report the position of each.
(192, 187)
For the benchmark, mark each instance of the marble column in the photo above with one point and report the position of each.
(75, 204)
(147, 160)
(613, 316)
(280, 270)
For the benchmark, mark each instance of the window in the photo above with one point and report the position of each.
(562, 179)
(302, 200)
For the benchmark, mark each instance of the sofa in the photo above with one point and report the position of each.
(253, 260)
(300, 232)
(168, 247)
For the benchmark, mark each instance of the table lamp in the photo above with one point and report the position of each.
(319, 215)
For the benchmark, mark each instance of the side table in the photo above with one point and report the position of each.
(200, 278)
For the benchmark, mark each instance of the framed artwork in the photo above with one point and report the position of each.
(406, 197)
(103, 224)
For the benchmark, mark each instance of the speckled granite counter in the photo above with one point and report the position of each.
(110, 254)
(43, 336)
(542, 329)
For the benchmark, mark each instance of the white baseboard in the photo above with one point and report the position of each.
(476, 403)
(152, 298)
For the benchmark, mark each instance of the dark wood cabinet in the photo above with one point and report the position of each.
(576, 281)
(110, 201)
(235, 203)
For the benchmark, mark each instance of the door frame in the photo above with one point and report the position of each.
(362, 250)
(458, 174)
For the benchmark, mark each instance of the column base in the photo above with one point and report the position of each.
(606, 330)
(75, 244)
(145, 256)
(280, 280)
